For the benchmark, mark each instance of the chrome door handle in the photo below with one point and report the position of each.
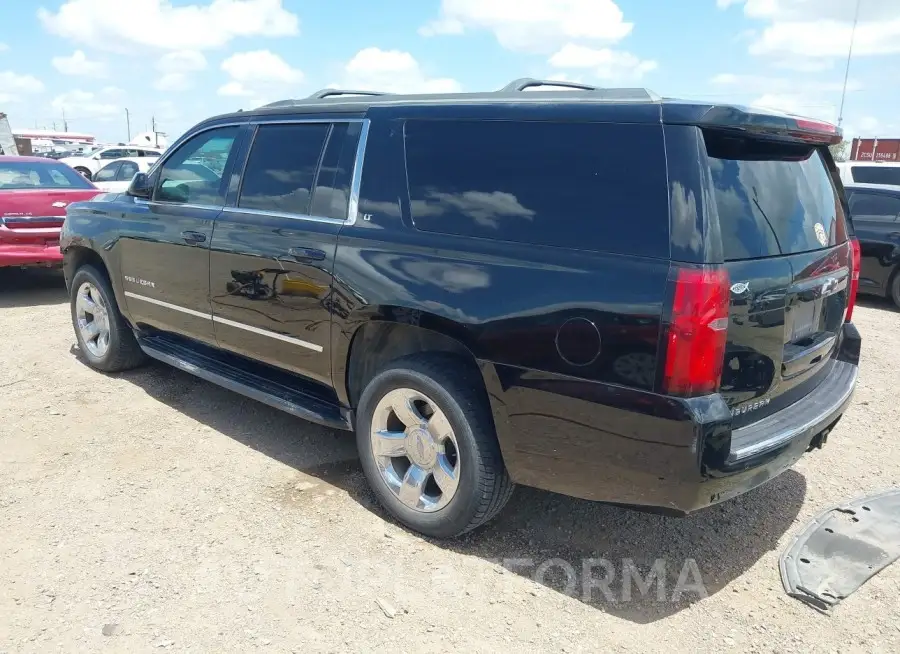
(193, 237)
(303, 255)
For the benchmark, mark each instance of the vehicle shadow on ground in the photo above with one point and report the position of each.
(31, 287)
(876, 302)
(564, 544)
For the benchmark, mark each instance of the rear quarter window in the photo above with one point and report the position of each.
(876, 175)
(772, 198)
(588, 186)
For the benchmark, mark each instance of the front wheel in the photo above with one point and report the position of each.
(84, 171)
(104, 337)
(428, 448)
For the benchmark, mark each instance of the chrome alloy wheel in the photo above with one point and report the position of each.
(93, 319)
(415, 450)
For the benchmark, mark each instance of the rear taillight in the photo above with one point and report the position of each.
(695, 348)
(854, 277)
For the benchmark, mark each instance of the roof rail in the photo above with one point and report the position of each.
(319, 95)
(327, 93)
(528, 82)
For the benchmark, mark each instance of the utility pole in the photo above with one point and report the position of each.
(128, 123)
(155, 137)
(849, 56)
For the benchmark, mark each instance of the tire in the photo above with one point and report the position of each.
(894, 288)
(122, 351)
(482, 486)
(83, 171)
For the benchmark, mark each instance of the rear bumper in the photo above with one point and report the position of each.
(30, 255)
(629, 447)
(800, 421)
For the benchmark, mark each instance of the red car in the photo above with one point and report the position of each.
(34, 194)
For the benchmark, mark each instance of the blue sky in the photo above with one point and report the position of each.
(183, 60)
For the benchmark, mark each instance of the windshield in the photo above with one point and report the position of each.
(772, 198)
(38, 175)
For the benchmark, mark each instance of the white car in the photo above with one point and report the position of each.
(881, 173)
(90, 162)
(115, 176)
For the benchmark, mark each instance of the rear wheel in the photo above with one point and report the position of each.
(894, 289)
(428, 448)
(104, 337)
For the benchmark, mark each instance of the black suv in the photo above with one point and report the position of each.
(597, 292)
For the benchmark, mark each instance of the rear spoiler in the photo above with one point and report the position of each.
(759, 122)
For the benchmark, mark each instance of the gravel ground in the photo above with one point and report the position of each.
(151, 511)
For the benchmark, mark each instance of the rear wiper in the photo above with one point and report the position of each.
(768, 222)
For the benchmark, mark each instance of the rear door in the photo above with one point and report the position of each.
(784, 240)
(273, 247)
(876, 221)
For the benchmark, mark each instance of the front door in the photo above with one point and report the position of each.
(165, 241)
(272, 253)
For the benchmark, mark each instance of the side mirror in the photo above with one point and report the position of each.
(141, 186)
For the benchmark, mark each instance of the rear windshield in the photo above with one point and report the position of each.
(15, 175)
(876, 174)
(772, 198)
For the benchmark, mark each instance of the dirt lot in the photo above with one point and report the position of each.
(155, 512)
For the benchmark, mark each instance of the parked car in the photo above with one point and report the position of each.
(115, 176)
(875, 211)
(882, 173)
(592, 291)
(34, 194)
(90, 162)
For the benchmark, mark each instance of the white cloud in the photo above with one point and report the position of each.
(176, 68)
(807, 97)
(605, 64)
(259, 74)
(795, 103)
(3, 47)
(120, 26)
(532, 25)
(78, 105)
(393, 71)
(822, 28)
(234, 89)
(766, 84)
(78, 64)
(13, 86)
(261, 66)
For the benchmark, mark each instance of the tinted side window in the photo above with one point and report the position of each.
(282, 166)
(874, 206)
(593, 186)
(112, 154)
(108, 172)
(185, 177)
(876, 174)
(332, 194)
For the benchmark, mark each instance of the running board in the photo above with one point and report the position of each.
(249, 379)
